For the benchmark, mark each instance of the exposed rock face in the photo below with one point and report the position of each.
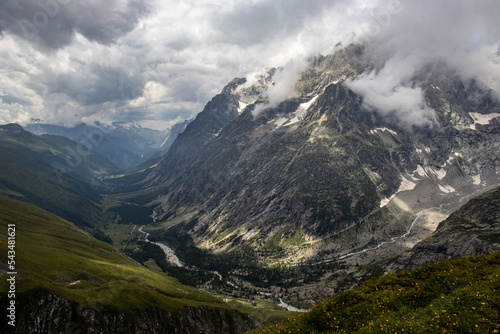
(220, 111)
(473, 229)
(319, 174)
(43, 312)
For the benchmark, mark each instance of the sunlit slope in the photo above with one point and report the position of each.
(54, 255)
(457, 296)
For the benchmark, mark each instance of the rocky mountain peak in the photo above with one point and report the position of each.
(321, 163)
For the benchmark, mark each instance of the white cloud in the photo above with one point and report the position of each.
(389, 92)
(282, 85)
(156, 62)
(463, 35)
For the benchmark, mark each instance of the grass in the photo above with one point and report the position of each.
(123, 235)
(52, 253)
(457, 296)
(31, 180)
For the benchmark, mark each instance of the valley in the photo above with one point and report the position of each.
(256, 210)
(311, 196)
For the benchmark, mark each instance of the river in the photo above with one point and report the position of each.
(169, 252)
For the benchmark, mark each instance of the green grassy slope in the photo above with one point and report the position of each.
(52, 253)
(457, 296)
(53, 173)
(86, 163)
(30, 180)
(79, 161)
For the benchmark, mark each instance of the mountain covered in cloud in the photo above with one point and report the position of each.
(325, 177)
(159, 62)
(350, 138)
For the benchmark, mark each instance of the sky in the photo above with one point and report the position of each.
(157, 62)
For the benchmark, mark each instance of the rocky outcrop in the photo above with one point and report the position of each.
(44, 312)
(473, 229)
(220, 111)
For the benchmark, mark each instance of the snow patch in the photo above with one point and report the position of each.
(441, 173)
(250, 234)
(305, 106)
(241, 106)
(374, 176)
(446, 189)
(296, 116)
(374, 131)
(342, 78)
(420, 171)
(406, 185)
(483, 119)
(385, 201)
(280, 121)
(74, 283)
(301, 111)
(429, 172)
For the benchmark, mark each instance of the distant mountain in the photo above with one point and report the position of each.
(172, 136)
(77, 160)
(68, 281)
(126, 144)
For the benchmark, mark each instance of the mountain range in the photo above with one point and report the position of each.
(320, 178)
(126, 144)
(260, 201)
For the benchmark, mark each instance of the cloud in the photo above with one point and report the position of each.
(389, 92)
(154, 61)
(112, 60)
(52, 24)
(282, 85)
(254, 22)
(98, 85)
(463, 35)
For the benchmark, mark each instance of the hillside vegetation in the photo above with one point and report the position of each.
(53, 253)
(456, 296)
(54, 256)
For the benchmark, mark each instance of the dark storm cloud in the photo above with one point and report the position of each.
(249, 23)
(52, 24)
(165, 59)
(99, 85)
